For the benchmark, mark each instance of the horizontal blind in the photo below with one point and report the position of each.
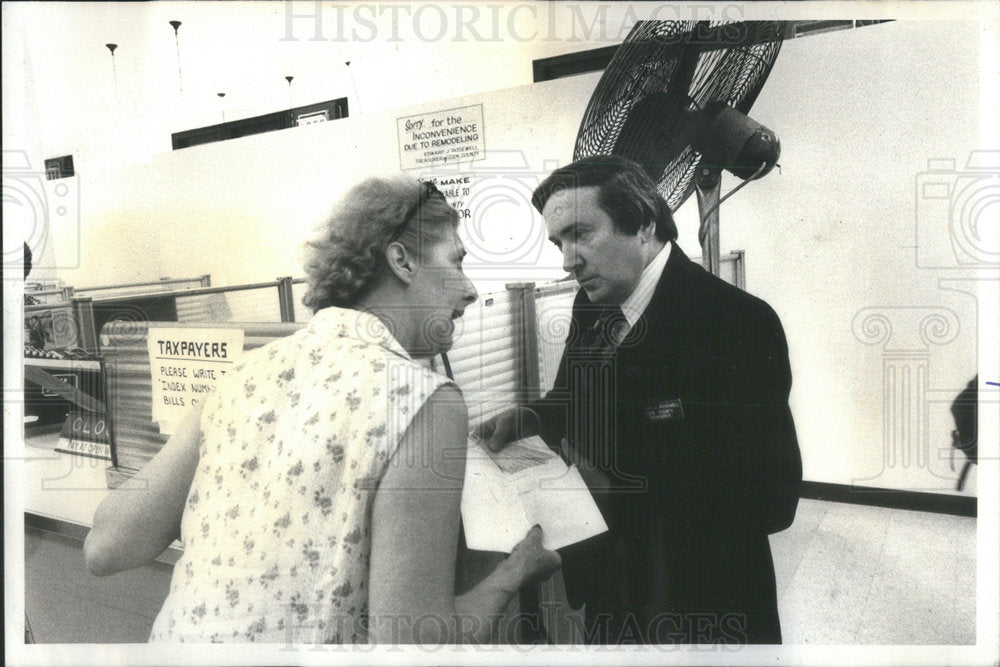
(553, 314)
(485, 356)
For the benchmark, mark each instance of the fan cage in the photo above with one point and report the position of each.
(691, 64)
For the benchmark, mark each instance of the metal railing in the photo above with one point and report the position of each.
(204, 280)
(83, 307)
(77, 320)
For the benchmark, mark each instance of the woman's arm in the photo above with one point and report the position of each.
(415, 524)
(138, 520)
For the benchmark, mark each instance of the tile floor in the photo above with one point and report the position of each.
(852, 574)
(846, 574)
(66, 604)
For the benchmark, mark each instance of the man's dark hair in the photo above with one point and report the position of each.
(625, 192)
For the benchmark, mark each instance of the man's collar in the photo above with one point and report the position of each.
(635, 305)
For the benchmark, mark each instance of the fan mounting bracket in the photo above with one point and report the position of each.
(708, 186)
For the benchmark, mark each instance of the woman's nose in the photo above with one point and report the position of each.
(471, 294)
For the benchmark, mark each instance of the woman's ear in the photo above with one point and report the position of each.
(401, 263)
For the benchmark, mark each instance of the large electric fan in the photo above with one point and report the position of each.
(674, 98)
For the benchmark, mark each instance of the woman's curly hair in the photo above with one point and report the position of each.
(348, 256)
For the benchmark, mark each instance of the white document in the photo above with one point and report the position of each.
(508, 492)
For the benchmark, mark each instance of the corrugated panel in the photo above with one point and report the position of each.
(126, 361)
(496, 340)
(203, 308)
(255, 305)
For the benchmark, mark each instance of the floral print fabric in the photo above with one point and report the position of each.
(277, 525)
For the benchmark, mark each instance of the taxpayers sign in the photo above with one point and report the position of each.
(186, 365)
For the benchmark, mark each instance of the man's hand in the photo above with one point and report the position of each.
(534, 562)
(510, 425)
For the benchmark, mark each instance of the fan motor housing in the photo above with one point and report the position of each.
(737, 143)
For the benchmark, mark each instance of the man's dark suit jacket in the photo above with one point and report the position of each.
(691, 424)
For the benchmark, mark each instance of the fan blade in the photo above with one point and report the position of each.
(645, 63)
(736, 75)
(657, 131)
(687, 62)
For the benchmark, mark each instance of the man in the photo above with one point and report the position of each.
(675, 407)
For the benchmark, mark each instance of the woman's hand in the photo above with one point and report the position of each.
(533, 561)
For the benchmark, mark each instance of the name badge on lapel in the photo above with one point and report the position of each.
(665, 410)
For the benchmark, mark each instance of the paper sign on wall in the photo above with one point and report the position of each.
(186, 365)
(439, 137)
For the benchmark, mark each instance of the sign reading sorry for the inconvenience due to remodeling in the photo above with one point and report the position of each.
(186, 366)
(440, 137)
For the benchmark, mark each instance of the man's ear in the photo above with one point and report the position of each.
(401, 263)
(648, 231)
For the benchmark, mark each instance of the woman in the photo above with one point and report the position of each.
(317, 496)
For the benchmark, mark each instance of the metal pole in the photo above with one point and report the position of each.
(286, 300)
(83, 313)
(177, 42)
(708, 185)
(528, 375)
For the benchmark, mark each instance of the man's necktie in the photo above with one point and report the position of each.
(592, 382)
(606, 333)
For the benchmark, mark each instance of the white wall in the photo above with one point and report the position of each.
(859, 114)
(830, 237)
(241, 209)
(65, 93)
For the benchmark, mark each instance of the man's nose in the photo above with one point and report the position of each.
(571, 259)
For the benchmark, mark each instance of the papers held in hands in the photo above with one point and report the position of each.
(508, 492)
